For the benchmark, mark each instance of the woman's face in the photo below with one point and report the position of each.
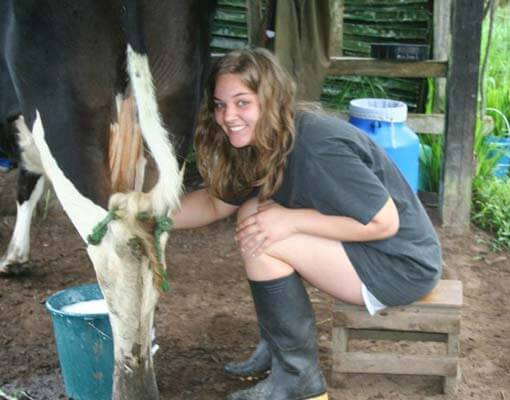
(236, 110)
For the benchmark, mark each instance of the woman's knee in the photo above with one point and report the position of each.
(247, 209)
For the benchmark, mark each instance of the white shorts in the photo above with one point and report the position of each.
(371, 303)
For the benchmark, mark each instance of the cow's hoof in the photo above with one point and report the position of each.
(14, 269)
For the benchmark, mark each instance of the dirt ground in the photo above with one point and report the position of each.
(208, 319)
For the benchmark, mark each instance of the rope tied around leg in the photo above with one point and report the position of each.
(156, 226)
(99, 231)
(162, 224)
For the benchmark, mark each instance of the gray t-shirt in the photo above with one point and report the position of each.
(338, 170)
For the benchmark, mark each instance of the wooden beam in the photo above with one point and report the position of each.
(337, 24)
(441, 44)
(254, 15)
(402, 320)
(419, 123)
(390, 363)
(426, 123)
(380, 334)
(387, 68)
(442, 31)
(392, 69)
(455, 191)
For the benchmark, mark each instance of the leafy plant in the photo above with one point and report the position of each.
(338, 92)
(486, 155)
(431, 159)
(496, 80)
(491, 210)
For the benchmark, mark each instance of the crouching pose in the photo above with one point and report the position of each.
(316, 199)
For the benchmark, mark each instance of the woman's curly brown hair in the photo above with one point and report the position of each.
(228, 171)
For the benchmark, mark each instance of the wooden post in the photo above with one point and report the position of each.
(441, 44)
(337, 28)
(254, 16)
(450, 382)
(340, 346)
(455, 191)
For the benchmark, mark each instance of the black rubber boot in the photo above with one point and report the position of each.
(287, 324)
(257, 366)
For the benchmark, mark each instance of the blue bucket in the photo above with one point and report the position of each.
(502, 146)
(84, 344)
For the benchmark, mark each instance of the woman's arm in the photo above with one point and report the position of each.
(384, 225)
(199, 208)
(274, 222)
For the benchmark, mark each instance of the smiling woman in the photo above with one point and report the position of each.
(236, 167)
(236, 110)
(316, 199)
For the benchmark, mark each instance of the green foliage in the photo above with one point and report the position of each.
(497, 75)
(338, 92)
(491, 210)
(431, 159)
(486, 156)
(431, 95)
(491, 196)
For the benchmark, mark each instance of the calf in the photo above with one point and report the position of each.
(88, 75)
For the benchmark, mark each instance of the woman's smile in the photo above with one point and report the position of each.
(236, 110)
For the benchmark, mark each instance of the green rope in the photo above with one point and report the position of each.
(99, 231)
(165, 284)
(143, 216)
(162, 224)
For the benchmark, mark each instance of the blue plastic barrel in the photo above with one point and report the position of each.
(84, 345)
(502, 147)
(385, 122)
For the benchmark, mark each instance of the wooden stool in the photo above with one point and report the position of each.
(436, 318)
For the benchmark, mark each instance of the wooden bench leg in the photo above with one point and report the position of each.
(340, 341)
(450, 382)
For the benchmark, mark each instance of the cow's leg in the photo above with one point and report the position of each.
(31, 184)
(127, 282)
(30, 189)
(133, 359)
(125, 279)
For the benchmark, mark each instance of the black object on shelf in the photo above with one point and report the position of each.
(400, 51)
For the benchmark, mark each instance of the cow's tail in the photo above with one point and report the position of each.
(166, 192)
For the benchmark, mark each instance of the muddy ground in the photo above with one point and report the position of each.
(208, 317)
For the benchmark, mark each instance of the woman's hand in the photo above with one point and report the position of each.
(271, 223)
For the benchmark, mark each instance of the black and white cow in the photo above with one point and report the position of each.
(87, 76)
